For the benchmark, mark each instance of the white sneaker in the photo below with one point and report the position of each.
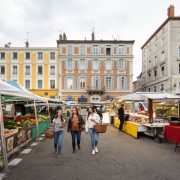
(93, 152)
(96, 149)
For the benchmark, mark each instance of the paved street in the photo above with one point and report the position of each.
(120, 157)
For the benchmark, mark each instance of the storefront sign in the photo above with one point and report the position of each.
(19, 147)
(10, 143)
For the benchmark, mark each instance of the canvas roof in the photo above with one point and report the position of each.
(32, 95)
(144, 96)
(9, 90)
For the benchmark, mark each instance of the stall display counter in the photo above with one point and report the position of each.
(172, 133)
(130, 127)
(15, 141)
(155, 130)
(42, 126)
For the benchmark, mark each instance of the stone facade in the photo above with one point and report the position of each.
(94, 69)
(161, 58)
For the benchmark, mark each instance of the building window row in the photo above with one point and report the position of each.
(52, 84)
(27, 70)
(28, 55)
(155, 73)
(96, 49)
(155, 88)
(96, 64)
(81, 83)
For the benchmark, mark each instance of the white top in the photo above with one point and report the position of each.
(89, 122)
(57, 122)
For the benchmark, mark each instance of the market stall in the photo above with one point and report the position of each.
(39, 123)
(8, 90)
(18, 126)
(150, 123)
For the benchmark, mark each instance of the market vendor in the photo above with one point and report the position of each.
(18, 117)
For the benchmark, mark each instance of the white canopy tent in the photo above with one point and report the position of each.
(144, 96)
(24, 90)
(7, 89)
(150, 97)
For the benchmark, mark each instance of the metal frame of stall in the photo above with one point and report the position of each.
(150, 97)
(21, 94)
(8, 90)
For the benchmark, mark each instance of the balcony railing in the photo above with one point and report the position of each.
(93, 90)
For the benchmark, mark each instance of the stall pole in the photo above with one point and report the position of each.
(178, 109)
(49, 112)
(150, 110)
(133, 107)
(3, 142)
(37, 124)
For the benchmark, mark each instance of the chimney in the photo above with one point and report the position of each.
(64, 36)
(170, 11)
(27, 44)
(93, 36)
(60, 37)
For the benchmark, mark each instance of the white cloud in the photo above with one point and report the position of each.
(44, 19)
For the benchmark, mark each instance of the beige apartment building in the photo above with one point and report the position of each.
(35, 68)
(94, 70)
(161, 58)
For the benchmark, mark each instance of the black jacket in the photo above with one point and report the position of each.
(99, 113)
(121, 114)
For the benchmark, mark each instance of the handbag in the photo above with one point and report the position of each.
(100, 128)
(49, 133)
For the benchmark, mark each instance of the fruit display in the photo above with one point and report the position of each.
(9, 132)
(12, 125)
(44, 117)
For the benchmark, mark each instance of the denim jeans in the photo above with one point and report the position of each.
(58, 136)
(94, 137)
(76, 134)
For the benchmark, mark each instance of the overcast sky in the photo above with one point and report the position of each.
(45, 19)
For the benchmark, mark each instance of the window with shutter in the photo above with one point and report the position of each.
(15, 70)
(108, 64)
(52, 84)
(2, 70)
(69, 83)
(27, 70)
(96, 64)
(27, 84)
(82, 83)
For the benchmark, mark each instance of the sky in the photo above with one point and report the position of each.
(43, 20)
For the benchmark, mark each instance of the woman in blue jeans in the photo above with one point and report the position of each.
(59, 124)
(75, 126)
(92, 119)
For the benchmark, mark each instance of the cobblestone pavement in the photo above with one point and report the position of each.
(120, 157)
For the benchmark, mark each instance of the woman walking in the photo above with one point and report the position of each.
(59, 124)
(75, 126)
(92, 119)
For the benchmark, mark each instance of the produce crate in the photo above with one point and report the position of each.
(48, 123)
(42, 126)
